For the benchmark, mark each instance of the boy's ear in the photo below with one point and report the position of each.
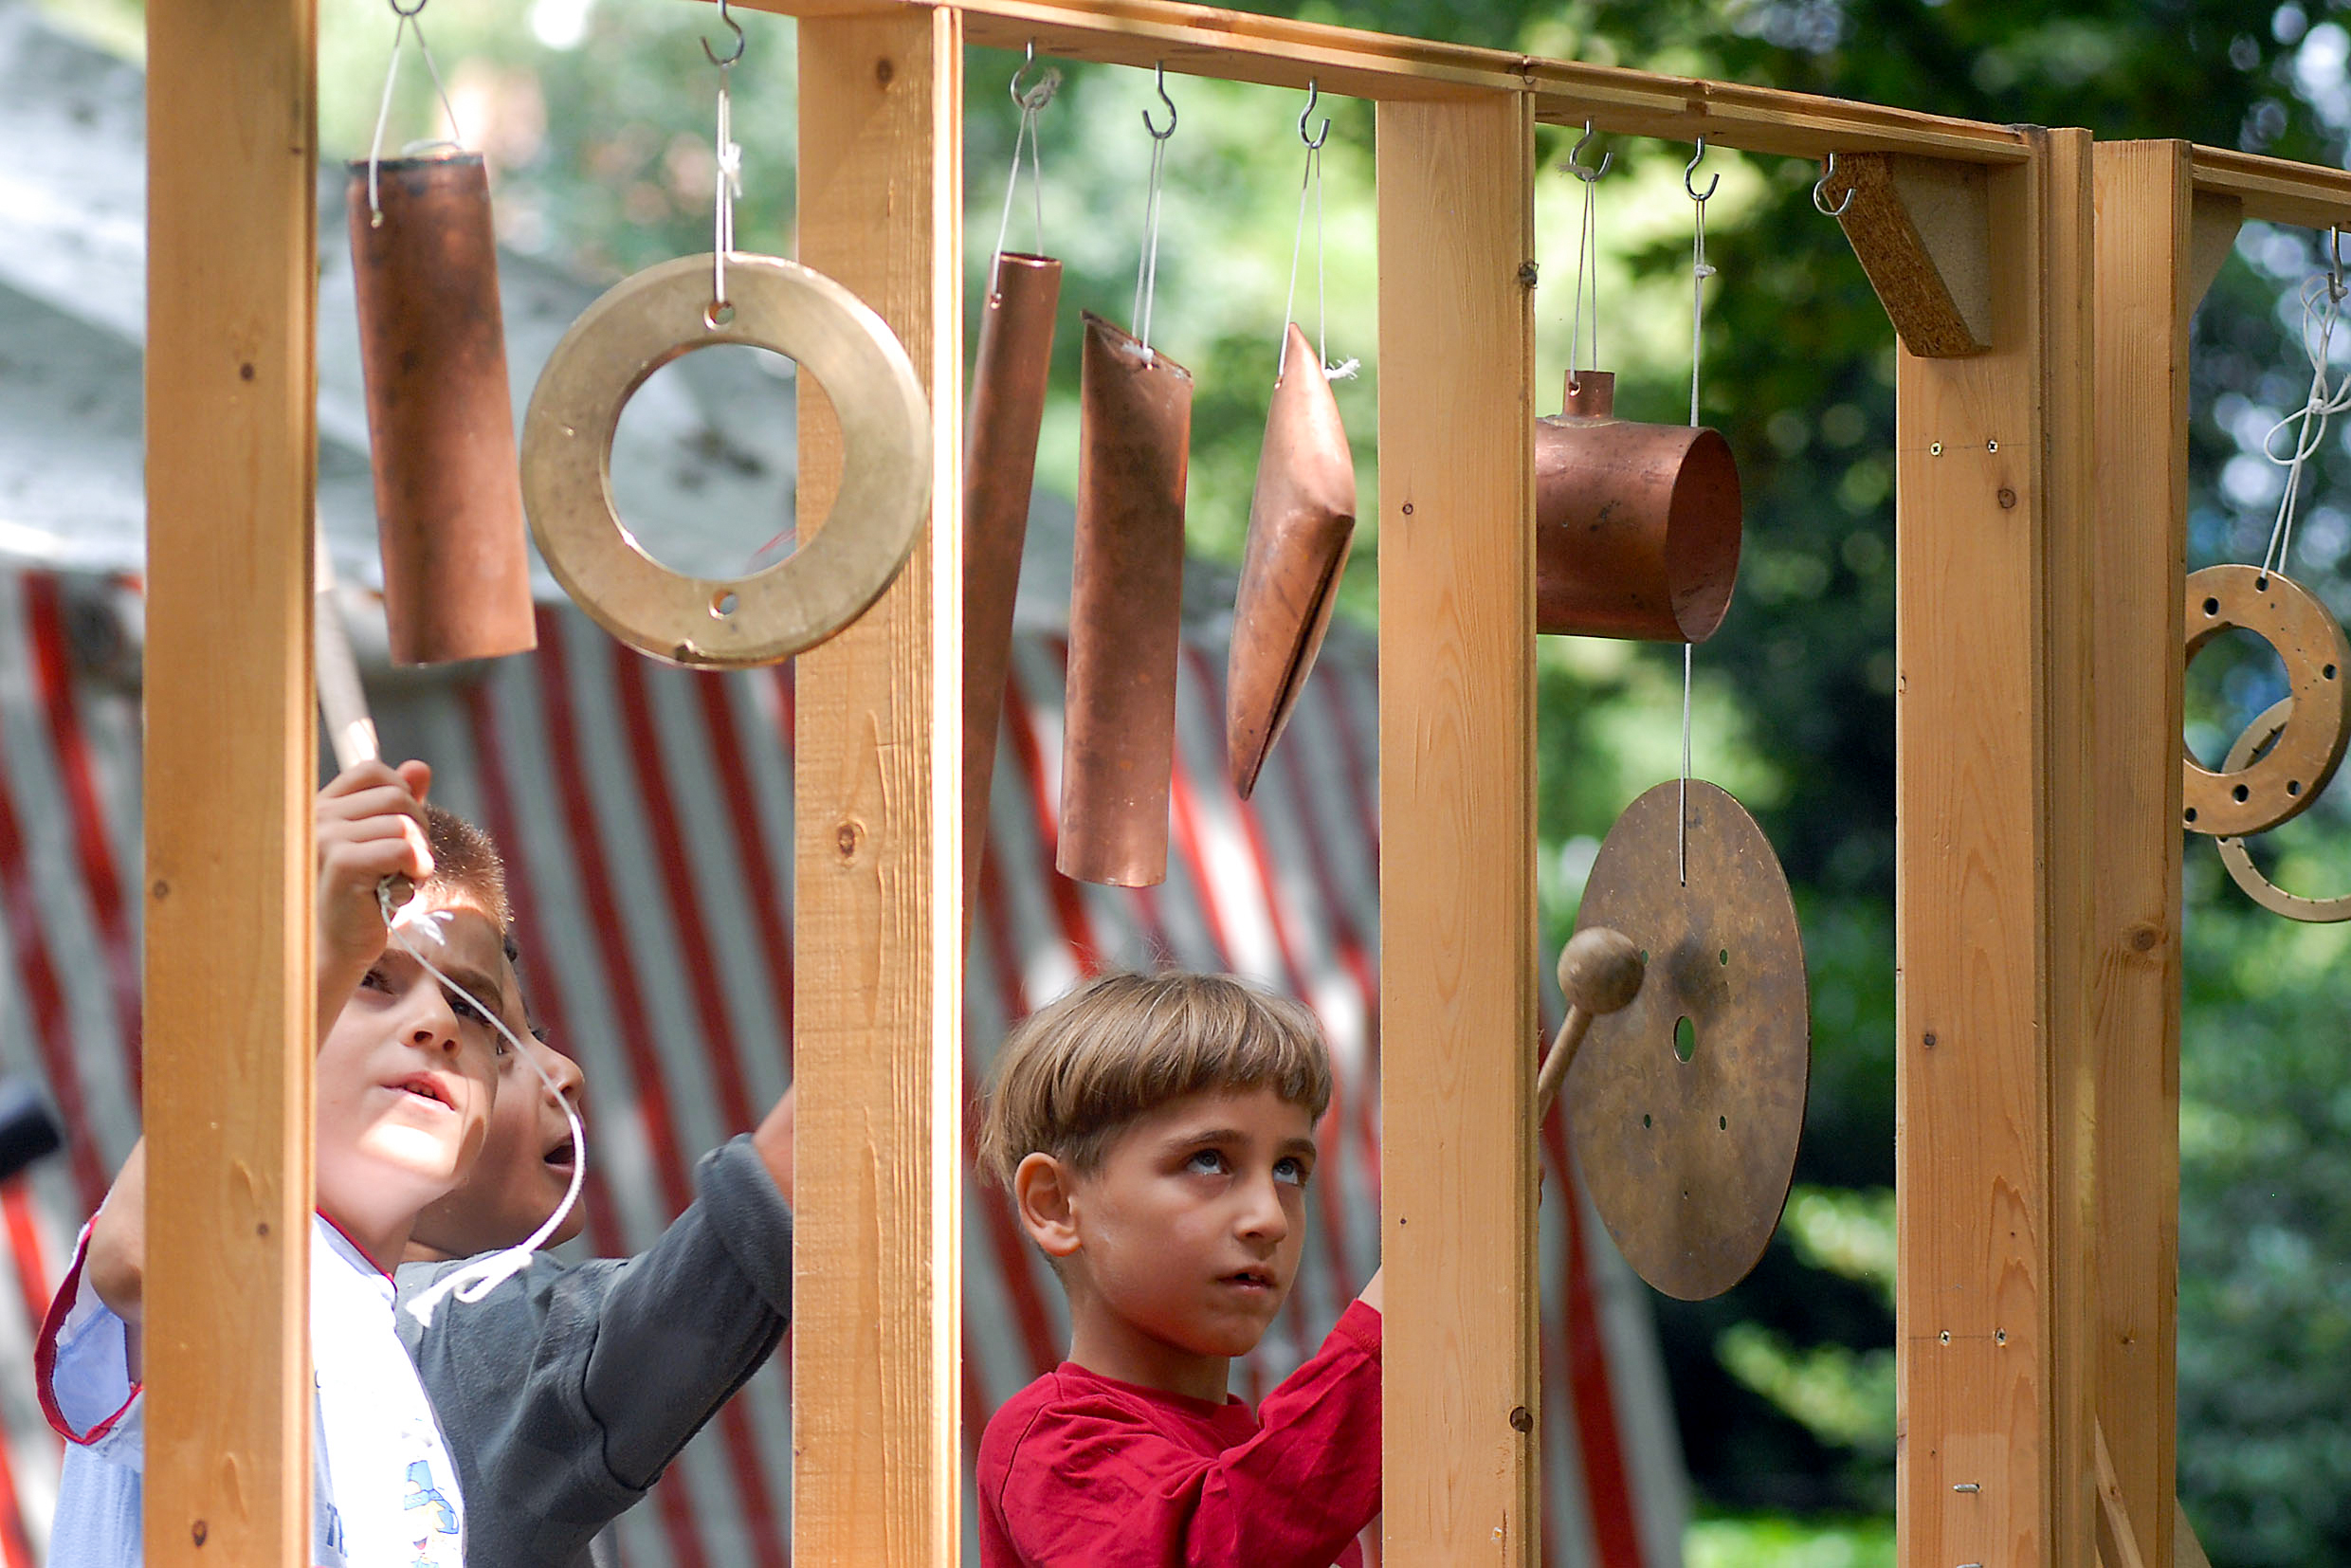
(1043, 1193)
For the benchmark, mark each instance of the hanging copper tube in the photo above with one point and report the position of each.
(999, 469)
(1125, 609)
(1302, 520)
(1636, 526)
(432, 346)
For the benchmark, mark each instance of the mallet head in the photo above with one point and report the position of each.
(1600, 969)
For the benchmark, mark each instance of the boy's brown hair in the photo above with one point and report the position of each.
(1080, 1070)
(466, 861)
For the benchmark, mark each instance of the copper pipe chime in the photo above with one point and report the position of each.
(432, 348)
(1125, 609)
(1301, 522)
(1000, 471)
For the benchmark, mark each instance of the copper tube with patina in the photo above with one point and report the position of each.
(1125, 609)
(999, 470)
(1636, 526)
(441, 434)
(1302, 521)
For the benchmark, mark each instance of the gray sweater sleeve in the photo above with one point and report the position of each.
(541, 1386)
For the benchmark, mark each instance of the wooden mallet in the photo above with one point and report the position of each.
(1601, 972)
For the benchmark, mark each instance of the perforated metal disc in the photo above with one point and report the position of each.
(1690, 1161)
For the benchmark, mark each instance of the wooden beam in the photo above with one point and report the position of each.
(229, 768)
(1457, 799)
(1923, 232)
(876, 1016)
(2274, 189)
(2146, 291)
(1992, 719)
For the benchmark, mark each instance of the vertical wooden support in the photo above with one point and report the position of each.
(1994, 1092)
(2147, 287)
(877, 1014)
(231, 270)
(1456, 792)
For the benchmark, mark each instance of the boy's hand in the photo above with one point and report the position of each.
(370, 823)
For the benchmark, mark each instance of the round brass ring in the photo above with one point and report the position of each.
(2309, 641)
(1688, 1158)
(2240, 861)
(639, 325)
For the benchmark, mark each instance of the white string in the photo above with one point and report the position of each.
(410, 21)
(1681, 838)
(1587, 247)
(1700, 272)
(2321, 311)
(1147, 275)
(481, 1275)
(729, 185)
(1031, 103)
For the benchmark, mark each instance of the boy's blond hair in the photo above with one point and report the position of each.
(1080, 1070)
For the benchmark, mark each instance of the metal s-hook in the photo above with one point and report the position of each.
(1157, 135)
(2335, 289)
(1038, 94)
(726, 17)
(405, 12)
(1821, 188)
(1692, 168)
(1314, 144)
(1574, 164)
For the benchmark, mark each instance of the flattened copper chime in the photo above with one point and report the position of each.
(1302, 521)
(1636, 526)
(432, 348)
(1125, 609)
(999, 470)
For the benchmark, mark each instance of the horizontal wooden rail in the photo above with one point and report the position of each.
(2274, 189)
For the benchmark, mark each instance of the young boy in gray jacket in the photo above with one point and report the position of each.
(546, 1387)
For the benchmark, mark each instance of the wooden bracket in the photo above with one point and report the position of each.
(2213, 221)
(1922, 227)
(2187, 1552)
(2118, 1544)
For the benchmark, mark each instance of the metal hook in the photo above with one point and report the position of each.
(1690, 167)
(728, 19)
(1820, 187)
(1031, 99)
(1314, 144)
(405, 12)
(1157, 135)
(1574, 164)
(2335, 288)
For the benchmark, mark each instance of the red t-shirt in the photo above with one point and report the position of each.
(1082, 1469)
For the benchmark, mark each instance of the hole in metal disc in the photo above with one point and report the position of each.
(722, 603)
(2329, 672)
(718, 313)
(2211, 607)
(1645, 954)
(2189, 813)
(1645, 1119)
(2293, 786)
(1724, 1122)
(1724, 957)
(2261, 584)
(1684, 1038)
(2240, 793)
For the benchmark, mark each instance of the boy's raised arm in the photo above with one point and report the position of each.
(369, 824)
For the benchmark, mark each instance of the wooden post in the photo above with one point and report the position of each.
(877, 1020)
(231, 283)
(2149, 282)
(1457, 797)
(1994, 1092)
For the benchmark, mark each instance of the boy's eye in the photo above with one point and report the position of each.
(467, 1012)
(1206, 1162)
(373, 979)
(1292, 1170)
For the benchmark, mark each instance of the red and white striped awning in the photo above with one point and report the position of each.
(646, 813)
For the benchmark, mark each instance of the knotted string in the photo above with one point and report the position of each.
(728, 186)
(2321, 312)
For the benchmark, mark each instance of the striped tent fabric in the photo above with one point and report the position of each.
(646, 813)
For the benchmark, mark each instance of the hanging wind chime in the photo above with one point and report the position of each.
(1000, 464)
(432, 351)
(1301, 515)
(1126, 582)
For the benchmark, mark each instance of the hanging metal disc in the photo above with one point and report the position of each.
(2239, 860)
(1688, 1158)
(639, 325)
(2309, 642)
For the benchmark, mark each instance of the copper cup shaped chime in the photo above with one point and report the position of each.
(1125, 609)
(1302, 521)
(999, 470)
(1636, 526)
(432, 348)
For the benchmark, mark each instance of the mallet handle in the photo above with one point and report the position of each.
(342, 701)
(1561, 1057)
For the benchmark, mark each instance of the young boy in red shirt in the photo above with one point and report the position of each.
(1156, 1134)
